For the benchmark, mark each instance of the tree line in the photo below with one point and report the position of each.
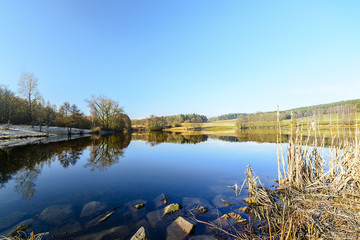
(30, 108)
(156, 123)
(228, 116)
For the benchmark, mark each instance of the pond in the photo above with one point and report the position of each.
(64, 187)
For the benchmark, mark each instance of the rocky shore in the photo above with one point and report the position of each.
(138, 219)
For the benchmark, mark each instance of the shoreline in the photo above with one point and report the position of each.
(19, 135)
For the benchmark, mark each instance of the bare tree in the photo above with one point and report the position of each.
(28, 84)
(106, 110)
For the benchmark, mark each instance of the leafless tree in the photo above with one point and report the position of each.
(28, 84)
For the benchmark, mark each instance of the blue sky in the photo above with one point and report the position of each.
(170, 57)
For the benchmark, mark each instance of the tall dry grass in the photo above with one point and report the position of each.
(318, 192)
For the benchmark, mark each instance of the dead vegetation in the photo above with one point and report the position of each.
(317, 197)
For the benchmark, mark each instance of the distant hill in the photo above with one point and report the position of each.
(300, 112)
(228, 116)
(325, 107)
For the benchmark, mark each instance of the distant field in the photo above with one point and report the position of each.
(228, 127)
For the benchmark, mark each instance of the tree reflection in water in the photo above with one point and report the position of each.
(156, 137)
(24, 182)
(106, 151)
(24, 164)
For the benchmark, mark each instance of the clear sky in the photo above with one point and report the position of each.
(179, 56)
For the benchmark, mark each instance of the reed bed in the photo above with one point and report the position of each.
(317, 194)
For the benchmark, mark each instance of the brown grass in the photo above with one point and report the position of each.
(318, 192)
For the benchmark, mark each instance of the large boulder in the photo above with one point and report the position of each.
(92, 209)
(70, 227)
(179, 229)
(115, 233)
(56, 215)
(187, 226)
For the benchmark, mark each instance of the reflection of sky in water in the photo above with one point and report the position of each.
(145, 171)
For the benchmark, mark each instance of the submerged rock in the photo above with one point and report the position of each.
(11, 219)
(92, 209)
(199, 206)
(157, 219)
(120, 232)
(70, 227)
(141, 234)
(219, 201)
(172, 208)
(200, 209)
(137, 208)
(102, 218)
(190, 203)
(56, 215)
(203, 237)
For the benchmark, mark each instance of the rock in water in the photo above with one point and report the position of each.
(120, 232)
(172, 208)
(92, 209)
(202, 237)
(185, 225)
(200, 209)
(141, 234)
(226, 202)
(56, 215)
(139, 206)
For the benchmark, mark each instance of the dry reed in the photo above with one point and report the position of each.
(318, 192)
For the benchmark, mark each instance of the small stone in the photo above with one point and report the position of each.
(200, 209)
(141, 234)
(139, 206)
(185, 225)
(226, 202)
(218, 201)
(172, 208)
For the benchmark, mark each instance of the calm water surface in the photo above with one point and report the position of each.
(56, 180)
